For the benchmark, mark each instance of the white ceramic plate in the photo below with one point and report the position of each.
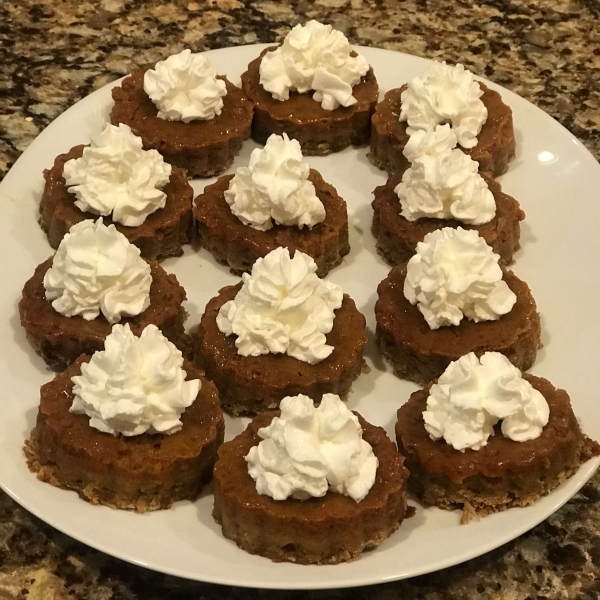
(557, 182)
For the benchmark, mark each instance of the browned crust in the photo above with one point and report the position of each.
(251, 384)
(142, 473)
(325, 530)
(420, 354)
(397, 237)
(496, 140)
(159, 236)
(238, 245)
(60, 340)
(319, 131)
(502, 474)
(203, 148)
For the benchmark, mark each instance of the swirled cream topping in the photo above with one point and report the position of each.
(314, 57)
(473, 394)
(282, 307)
(185, 87)
(307, 451)
(275, 187)
(96, 269)
(115, 176)
(434, 142)
(135, 385)
(454, 274)
(445, 94)
(442, 183)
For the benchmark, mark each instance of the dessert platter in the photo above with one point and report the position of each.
(552, 176)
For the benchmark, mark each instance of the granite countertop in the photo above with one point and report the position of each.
(55, 52)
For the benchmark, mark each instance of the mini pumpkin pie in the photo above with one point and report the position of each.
(116, 179)
(281, 332)
(351, 501)
(277, 201)
(314, 88)
(144, 458)
(481, 471)
(88, 300)
(197, 121)
(444, 94)
(456, 309)
(442, 188)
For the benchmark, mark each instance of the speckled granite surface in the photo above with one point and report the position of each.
(55, 52)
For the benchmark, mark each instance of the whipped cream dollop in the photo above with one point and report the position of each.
(282, 307)
(454, 274)
(135, 385)
(316, 57)
(275, 187)
(185, 87)
(433, 142)
(96, 270)
(307, 451)
(473, 394)
(445, 94)
(442, 182)
(116, 176)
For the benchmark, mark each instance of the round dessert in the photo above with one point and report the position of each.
(502, 474)
(421, 354)
(319, 131)
(143, 472)
(326, 530)
(159, 236)
(60, 339)
(203, 147)
(238, 245)
(251, 384)
(495, 146)
(397, 237)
